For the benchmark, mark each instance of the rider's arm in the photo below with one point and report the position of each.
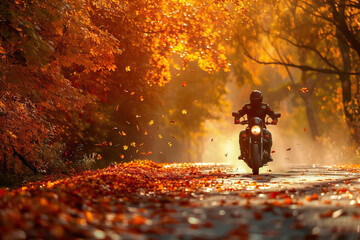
(271, 113)
(244, 110)
(241, 113)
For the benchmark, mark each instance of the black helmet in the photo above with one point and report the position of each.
(256, 98)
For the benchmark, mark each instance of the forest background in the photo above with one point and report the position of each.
(87, 83)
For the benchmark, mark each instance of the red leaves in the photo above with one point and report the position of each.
(258, 215)
(2, 192)
(147, 197)
(311, 198)
(138, 220)
(304, 90)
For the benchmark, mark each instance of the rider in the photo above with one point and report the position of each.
(256, 108)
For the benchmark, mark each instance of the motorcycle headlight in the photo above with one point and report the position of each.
(255, 130)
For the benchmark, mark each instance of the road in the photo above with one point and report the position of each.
(145, 200)
(303, 202)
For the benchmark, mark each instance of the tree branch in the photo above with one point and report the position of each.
(301, 67)
(313, 50)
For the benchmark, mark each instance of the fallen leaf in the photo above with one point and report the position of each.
(304, 90)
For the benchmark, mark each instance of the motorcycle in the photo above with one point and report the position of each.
(255, 153)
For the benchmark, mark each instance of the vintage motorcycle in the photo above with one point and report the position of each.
(255, 154)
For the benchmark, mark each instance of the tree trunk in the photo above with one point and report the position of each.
(4, 167)
(24, 161)
(346, 88)
(310, 115)
(307, 98)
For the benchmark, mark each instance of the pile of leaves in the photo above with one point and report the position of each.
(137, 198)
(92, 204)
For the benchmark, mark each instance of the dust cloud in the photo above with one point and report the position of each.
(221, 144)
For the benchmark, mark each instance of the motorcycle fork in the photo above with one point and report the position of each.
(261, 146)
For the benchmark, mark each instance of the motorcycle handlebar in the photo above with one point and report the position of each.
(247, 122)
(237, 117)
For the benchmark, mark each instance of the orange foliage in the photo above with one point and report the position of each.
(56, 58)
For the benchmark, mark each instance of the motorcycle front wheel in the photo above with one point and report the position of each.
(255, 158)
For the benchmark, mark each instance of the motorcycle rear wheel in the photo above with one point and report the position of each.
(255, 158)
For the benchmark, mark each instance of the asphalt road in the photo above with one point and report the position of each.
(302, 202)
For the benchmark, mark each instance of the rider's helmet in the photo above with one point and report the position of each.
(256, 98)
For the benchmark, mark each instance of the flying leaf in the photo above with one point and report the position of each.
(160, 136)
(288, 87)
(133, 144)
(183, 84)
(304, 90)
(170, 144)
(127, 68)
(184, 111)
(125, 147)
(151, 122)
(145, 133)
(141, 98)
(122, 156)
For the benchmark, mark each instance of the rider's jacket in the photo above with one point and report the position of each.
(257, 111)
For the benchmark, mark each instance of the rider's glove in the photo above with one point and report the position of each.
(274, 122)
(237, 121)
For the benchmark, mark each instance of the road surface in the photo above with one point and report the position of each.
(187, 201)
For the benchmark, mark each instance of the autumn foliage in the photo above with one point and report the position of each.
(60, 59)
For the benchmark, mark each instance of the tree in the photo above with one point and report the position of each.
(62, 60)
(313, 36)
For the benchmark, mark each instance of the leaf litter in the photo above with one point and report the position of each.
(144, 199)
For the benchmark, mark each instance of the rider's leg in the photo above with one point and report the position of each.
(268, 143)
(242, 143)
(242, 137)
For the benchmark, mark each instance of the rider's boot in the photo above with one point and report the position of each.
(268, 157)
(241, 156)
